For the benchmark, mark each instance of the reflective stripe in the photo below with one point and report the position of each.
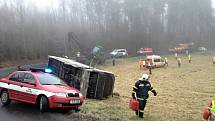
(26, 89)
(213, 106)
(135, 87)
(142, 111)
(140, 98)
(141, 85)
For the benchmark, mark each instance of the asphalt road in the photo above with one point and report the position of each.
(18, 111)
(5, 71)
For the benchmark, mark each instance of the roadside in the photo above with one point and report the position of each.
(8, 64)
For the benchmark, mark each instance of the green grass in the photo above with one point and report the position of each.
(112, 109)
(182, 92)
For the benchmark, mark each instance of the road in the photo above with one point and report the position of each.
(5, 71)
(18, 111)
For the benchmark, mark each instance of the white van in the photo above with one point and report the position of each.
(156, 61)
(119, 53)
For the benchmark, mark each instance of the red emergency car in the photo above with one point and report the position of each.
(145, 51)
(36, 87)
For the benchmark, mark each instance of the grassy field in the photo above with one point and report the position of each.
(182, 92)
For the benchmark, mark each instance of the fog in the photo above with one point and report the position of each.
(33, 29)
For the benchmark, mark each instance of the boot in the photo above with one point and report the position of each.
(136, 112)
(141, 114)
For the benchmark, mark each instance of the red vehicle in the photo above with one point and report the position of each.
(145, 51)
(43, 89)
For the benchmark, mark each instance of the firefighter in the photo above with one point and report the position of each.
(213, 60)
(212, 111)
(179, 62)
(144, 64)
(141, 64)
(189, 58)
(176, 56)
(149, 67)
(140, 93)
(113, 60)
(166, 61)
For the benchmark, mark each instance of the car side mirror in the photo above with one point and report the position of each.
(10, 78)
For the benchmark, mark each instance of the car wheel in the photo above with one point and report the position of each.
(43, 104)
(5, 100)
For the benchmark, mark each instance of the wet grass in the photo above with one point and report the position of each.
(182, 92)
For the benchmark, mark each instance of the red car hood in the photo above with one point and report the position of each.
(60, 88)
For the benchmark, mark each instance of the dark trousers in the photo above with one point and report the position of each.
(166, 64)
(142, 106)
(150, 70)
(113, 62)
(179, 64)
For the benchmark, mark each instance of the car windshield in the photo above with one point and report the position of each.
(115, 50)
(48, 79)
(121, 50)
(157, 60)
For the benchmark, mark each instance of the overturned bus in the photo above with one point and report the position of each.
(92, 82)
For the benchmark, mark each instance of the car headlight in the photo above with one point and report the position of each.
(61, 94)
(80, 95)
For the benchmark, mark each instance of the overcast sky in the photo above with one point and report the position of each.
(45, 4)
(213, 3)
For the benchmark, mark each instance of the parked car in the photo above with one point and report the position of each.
(145, 51)
(202, 49)
(156, 61)
(119, 53)
(36, 87)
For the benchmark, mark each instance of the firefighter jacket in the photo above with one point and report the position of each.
(141, 89)
(212, 108)
(213, 59)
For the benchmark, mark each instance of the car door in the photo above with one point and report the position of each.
(15, 86)
(120, 52)
(29, 88)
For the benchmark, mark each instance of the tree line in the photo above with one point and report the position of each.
(26, 32)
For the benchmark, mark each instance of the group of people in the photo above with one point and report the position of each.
(145, 64)
(179, 59)
(143, 86)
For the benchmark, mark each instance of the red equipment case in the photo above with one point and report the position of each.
(206, 113)
(134, 104)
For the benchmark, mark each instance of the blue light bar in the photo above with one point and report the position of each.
(48, 70)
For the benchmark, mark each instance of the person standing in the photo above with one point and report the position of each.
(141, 64)
(187, 52)
(166, 61)
(176, 56)
(179, 62)
(113, 60)
(149, 66)
(140, 93)
(213, 60)
(211, 109)
(189, 58)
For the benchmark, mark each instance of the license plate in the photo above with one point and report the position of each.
(74, 101)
